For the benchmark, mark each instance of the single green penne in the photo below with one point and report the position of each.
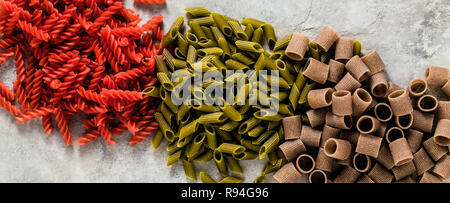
(165, 127)
(238, 31)
(270, 168)
(173, 158)
(166, 98)
(157, 139)
(195, 12)
(207, 43)
(260, 64)
(205, 157)
(192, 154)
(314, 51)
(269, 145)
(231, 112)
(182, 142)
(291, 68)
(243, 59)
(259, 179)
(284, 72)
(179, 64)
(255, 132)
(270, 64)
(271, 125)
(230, 179)
(228, 18)
(192, 39)
(168, 115)
(191, 56)
(211, 138)
(282, 43)
(229, 126)
(189, 129)
(219, 64)
(151, 91)
(168, 56)
(281, 133)
(297, 67)
(273, 157)
(247, 155)
(161, 65)
(178, 54)
(211, 118)
(178, 23)
(189, 170)
(182, 112)
(283, 95)
(205, 108)
(208, 33)
(170, 37)
(249, 46)
(205, 178)
(286, 110)
(278, 55)
(173, 146)
(220, 162)
(258, 36)
(215, 51)
(305, 119)
(282, 83)
(236, 65)
(294, 94)
(357, 48)
(204, 21)
(270, 35)
(229, 148)
(234, 165)
(196, 145)
(197, 30)
(249, 31)
(254, 22)
(248, 144)
(267, 115)
(217, 33)
(222, 24)
(182, 44)
(223, 44)
(248, 125)
(304, 95)
(224, 135)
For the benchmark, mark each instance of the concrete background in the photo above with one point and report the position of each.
(409, 35)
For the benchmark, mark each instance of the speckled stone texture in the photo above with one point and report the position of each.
(408, 35)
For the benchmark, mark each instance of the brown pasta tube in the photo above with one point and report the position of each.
(406, 180)
(317, 176)
(442, 167)
(292, 127)
(423, 121)
(435, 151)
(401, 153)
(369, 145)
(404, 170)
(316, 117)
(324, 162)
(347, 175)
(382, 130)
(305, 163)
(362, 163)
(367, 124)
(385, 158)
(442, 133)
(364, 179)
(310, 137)
(378, 84)
(316, 71)
(291, 149)
(446, 88)
(336, 71)
(326, 38)
(342, 103)
(444, 110)
(437, 76)
(320, 98)
(357, 68)
(344, 49)
(350, 135)
(427, 103)
(348, 161)
(400, 103)
(338, 148)
(348, 82)
(361, 100)
(414, 138)
(392, 87)
(393, 134)
(297, 47)
(430, 178)
(374, 62)
(380, 175)
(383, 112)
(287, 174)
(404, 122)
(417, 88)
(341, 122)
(329, 132)
(422, 162)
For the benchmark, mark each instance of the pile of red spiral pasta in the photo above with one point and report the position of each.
(75, 57)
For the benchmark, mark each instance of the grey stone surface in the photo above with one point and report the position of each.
(409, 35)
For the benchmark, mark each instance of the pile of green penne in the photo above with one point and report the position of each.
(227, 134)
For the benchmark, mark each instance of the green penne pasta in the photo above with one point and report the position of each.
(179, 64)
(173, 147)
(269, 145)
(357, 48)
(192, 155)
(178, 23)
(249, 46)
(217, 117)
(249, 31)
(161, 65)
(233, 47)
(248, 125)
(236, 65)
(270, 168)
(169, 58)
(262, 138)
(195, 146)
(220, 162)
(205, 108)
(223, 44)
(258, 36)
(211, 138)
(270, 35)
(248, 144)
(166, 98)
(259, 179)
(183, 44)
(247, 155)
(282, 43)
(208, 33)
(255, 132)
(182, 112)
(324, 58)
(282, 83)
(191, 57)
(182, 142)
(192, 39)
(285, 109)
(243, 59)
(173, 158)
(189, 129)
(165, 127)
(195, 12)
(233, 164)
(168, 115)
(230, 179)
(271, 125)
(205, 157)
(260, 63)
(204, 21)
(254, 22)
(278, 55)
(151, 92)
(189, 170)
(219, 64)
(273, 158)
(314, 50)
(222, 24)
(229, 148)
(224, 135)
(157, 139)
(231, 112)
(178, 54)
(304, 95)
(281, 133)
(228, 18)
(267, 115)
(238, 31)
(229, 126)
(197, 30)
(207, 43)
(165, 81)
(217, 33)
(284, 72)
(216, 51)
(170, 37)
(296, 89)
(243, 109)
(205, 178)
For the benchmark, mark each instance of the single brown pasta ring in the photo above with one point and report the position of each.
(320, 98)
(437, 76)
(367, 124)
(317, 177)
(417, 87)
(378, 84)
(427, 103)
(326, 38)
(405, 122)
(305, 163)
(400, 103)
(442, 133)
(342, 104)
(338, 148)
(344, 49)
(297, 47)
(362, 163)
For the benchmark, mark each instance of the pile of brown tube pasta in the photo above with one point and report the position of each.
(362, 128)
